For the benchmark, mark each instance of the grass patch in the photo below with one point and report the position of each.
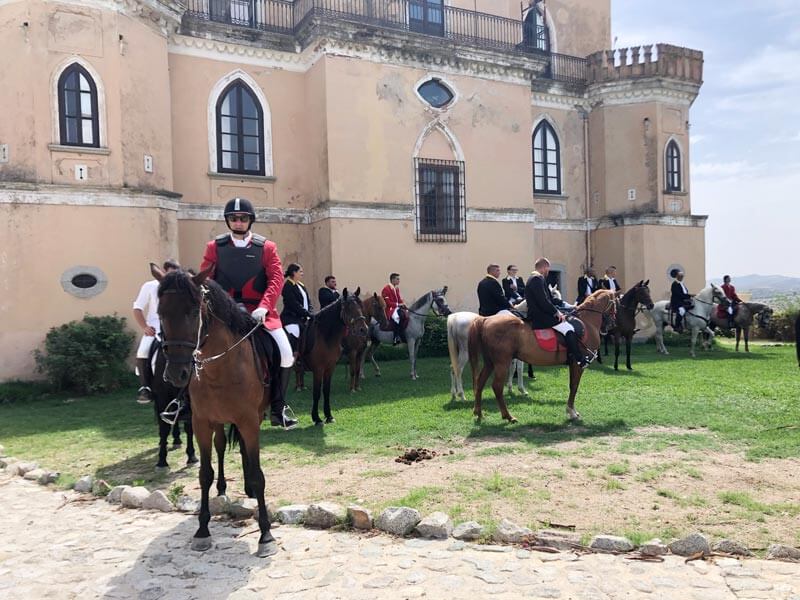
(419, 498)
(745, 501)
(614, 485)
(618, 468)
(376, 474)
(693, 473)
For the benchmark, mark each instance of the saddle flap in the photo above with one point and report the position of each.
(547, 340)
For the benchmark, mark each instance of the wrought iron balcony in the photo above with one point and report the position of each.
(422, 17)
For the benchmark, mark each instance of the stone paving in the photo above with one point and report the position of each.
(90, 549)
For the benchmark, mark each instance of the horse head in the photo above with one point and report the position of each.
(180, 304)
(351, 313)
(439, 302)
(643, 295)
(718, 294)
(555, 292)
(765, 316)
(604, 303)
(377, 309)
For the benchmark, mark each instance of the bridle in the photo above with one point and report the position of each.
(435, 299)
(349, 323)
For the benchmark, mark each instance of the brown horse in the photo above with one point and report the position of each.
(206, 347)
(626, 320)
(355, 345)
(502, 338)
(743, 321)
(321, 345)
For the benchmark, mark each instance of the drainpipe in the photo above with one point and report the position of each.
(585, 115)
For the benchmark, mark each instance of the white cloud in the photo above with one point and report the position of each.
(697, 139)
(726, 170)
(773, 66)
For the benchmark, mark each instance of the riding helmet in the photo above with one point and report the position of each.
(237, 206)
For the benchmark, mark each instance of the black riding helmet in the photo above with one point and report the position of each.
(238, 206)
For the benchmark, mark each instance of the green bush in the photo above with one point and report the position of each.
(781, 326)
(434, 343)
(22, 391)
(87, 356)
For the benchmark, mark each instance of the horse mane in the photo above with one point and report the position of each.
(420, 302)
(327, 321)
(591, 300)
(628, 295)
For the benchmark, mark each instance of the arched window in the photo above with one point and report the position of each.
(674, 179)
(79, 123)
(240, 131)
(546, 160)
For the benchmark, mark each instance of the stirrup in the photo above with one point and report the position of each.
(287, 415)
(170, 413)
(146, 398)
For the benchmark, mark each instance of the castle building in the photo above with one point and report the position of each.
(427, 137)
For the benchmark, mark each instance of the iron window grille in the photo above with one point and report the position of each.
(673, 167)
(78, 120)
(441, 213)
(546, 160)
(240, 131)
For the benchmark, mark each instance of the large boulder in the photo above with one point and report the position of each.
(654, 547)
(219, 505)
(324, 515)
(158, 501)
(187, 504)
(134, 497)
(732, 547)
(436, 525)
(691, 545)
(115, 495)
(246, 508)
(560, 540)
(780, 552)
(49, 477)
(469, 531)
(292, 514)
(611, 543)
(511, 533)
(34, 474)
(84, 484)
(398, 520)
(359, 517)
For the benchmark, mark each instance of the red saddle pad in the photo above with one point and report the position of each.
(547, 340)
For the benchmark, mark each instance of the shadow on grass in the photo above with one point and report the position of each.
(543, 433)
(140, 467)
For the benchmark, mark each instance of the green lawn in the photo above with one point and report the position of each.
(751, 401)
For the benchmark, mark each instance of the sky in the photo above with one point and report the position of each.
(745, 125)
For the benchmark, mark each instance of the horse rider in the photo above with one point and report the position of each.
(248, 267)
(733, 308)
(543, 314)
(680, 298)
(328, 294)
(395, 305)
(145, 313)
(297, 307)
(609, 281)
(491, 298)
(587, 284)
(513, 285)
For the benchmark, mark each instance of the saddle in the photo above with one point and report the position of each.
(551, 340)
(389, 327)
(267, 356)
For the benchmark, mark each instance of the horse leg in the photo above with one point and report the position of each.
(176, 435)
(606, 345)
(463, 358)
(219, 446)
(628, 340)
(575, 374)
(412, 356)
(695, 332)
(374, 362)
(747, 339)
(707, 343)
(299, 383)
(315, 394)
(254, 477)
(738, 336)
(660, 347)
(248, 488)
(510, 379)
(500, 374)
(521, 378)
(163, 435)
(616, 351)
(359, 368)
(202, 537)
(191, 457)
(478, 383)
(326, 392)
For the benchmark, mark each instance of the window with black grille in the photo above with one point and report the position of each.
(77, 108)
(441, 204)
(240, 131)
(546, 160)
(673, 167)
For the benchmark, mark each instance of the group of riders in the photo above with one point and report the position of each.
(248, 267)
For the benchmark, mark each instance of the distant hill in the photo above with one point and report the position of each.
(765, 286)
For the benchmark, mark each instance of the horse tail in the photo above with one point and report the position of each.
(475, 345)
(234, 438)
(452, 342)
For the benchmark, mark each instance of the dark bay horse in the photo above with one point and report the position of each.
(321, 346)
(502, 338)
(206, 346)
(743, 321)
(354, 345)
(638, 295)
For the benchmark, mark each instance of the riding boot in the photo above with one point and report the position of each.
(678, 323)
(398, 333)
(279, 410)
(575, 355)
(144, 395)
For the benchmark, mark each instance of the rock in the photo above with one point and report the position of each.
(469, 530)
(690, 545)
(359, 517)
(292, 514)
(2, 450)
(560, 540)
(611, 543)
(436, 526)
(49, 477)
(115, 495)
(20, 468)
(246, 508)
(84, 484)
(654, 547)
(510, 533)
(34, 474)
(219, 505)
(158, 501)
(187, 504)
(325, 515)
(398, 520)
(133, 497)
(7, 460)
(780, 552)
(732, 547)
(101, 488)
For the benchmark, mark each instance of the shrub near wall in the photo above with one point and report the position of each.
(87, 356)
(434, 343)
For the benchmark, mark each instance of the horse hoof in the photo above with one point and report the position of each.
(176, 444)
(201, 544)
(318, 423)
(573, 415)
(329, 420)
(192, 460)
(266, 549)
(162, 469)
(629, 368)
(511, 419)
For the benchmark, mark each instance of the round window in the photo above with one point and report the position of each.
(435, 93)
(84, 281)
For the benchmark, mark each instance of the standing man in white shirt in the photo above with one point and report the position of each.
(145, 313)
(610, 282)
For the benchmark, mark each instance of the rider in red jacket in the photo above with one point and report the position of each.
(394, 306)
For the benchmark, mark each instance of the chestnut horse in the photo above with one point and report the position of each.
(207, 348)
(354, 346)
(502, 338)
(638, 295)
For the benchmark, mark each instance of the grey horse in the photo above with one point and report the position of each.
(417, 313)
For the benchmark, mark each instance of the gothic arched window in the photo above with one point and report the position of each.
(674, 178)
(546, 160)
(240, 131)
(78, 119)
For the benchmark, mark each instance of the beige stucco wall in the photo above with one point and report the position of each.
(33, 299)
(566, 251)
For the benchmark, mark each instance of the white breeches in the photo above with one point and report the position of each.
(396, 315)
(564, 327)
(287, 356)
(505, 312)
(144, 346)
(681, 311)
(730, 310)
(293, 329)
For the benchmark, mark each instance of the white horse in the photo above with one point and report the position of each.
(417, 313)
(698, 318)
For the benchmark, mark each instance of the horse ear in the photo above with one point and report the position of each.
(156, 271)
(200, 278)
(358, 292)
(647, 282)
(444, 291)
(375, 295)
(344, 294)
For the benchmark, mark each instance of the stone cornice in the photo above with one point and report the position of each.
(650, 89)
(81, 195)
(662, 220)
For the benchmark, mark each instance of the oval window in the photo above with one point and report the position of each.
(84, 281)
(435, 93)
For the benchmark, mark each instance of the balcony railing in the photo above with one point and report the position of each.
(425, 17)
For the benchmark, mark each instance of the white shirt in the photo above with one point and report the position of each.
(685, 291)
(611, 285)
(305, 296)
(242, 243)
(147, 302)
(589, 285)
